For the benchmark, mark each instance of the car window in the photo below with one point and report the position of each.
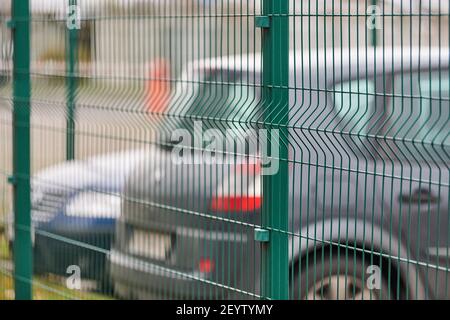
(354, 104)
(420, 115)
(421, 107)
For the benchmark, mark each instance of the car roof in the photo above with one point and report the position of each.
(329, 59)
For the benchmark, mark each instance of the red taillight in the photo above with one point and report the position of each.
(240, 191)
(236, 204)
(206, 265)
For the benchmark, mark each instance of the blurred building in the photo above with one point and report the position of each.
(118, 38)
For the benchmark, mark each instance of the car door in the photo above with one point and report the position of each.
(416, 197)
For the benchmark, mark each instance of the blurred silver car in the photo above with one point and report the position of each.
(368, 184)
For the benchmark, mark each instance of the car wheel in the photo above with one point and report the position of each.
(342, 278)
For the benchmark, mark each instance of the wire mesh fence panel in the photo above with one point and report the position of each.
(235, 149)
(369, 150)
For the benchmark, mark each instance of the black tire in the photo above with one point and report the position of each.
(333, 278)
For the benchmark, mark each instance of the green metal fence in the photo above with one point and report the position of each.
(207, 149)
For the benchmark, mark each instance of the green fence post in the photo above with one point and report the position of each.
(71, 65)
(23, 268)
(275, 32)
